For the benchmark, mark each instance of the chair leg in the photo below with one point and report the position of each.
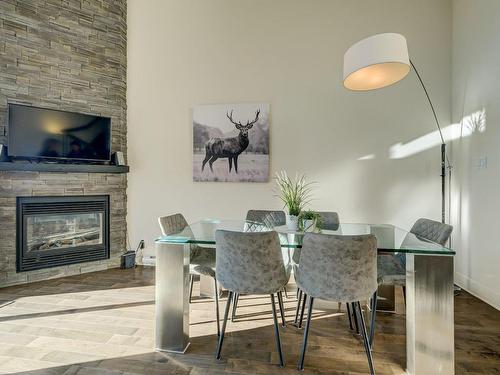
(300, 365)
(349, 315)
(235, 305)
(191, 283)
(277, 332)
(286, 293)
(299, 299)
(282, 309)
(372, 323)
(355, 317)
(404, 293)
(217, 307)
(302, 311)
(223, 331)
(366, 341)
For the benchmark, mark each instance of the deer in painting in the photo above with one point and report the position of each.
(232, 147)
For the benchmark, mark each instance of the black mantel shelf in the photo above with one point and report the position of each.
(56, 167)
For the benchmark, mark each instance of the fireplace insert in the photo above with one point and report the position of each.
(56, 231)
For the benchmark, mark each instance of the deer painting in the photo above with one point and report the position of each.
(231, 147)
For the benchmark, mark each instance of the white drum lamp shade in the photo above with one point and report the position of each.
(375, 62)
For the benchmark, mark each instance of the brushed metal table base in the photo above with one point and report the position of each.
(430, 337)
(429, 308)
(172, 297)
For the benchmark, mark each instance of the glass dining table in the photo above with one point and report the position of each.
(429, 286)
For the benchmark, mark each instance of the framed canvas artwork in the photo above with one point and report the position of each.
(231, 142)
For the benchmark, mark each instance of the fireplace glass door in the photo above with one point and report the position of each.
(54, 231)
(46, 232)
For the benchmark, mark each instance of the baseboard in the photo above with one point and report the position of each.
(478, 290)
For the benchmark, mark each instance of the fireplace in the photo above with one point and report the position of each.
(56, 231)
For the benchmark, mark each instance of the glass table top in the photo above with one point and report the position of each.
(390, 238)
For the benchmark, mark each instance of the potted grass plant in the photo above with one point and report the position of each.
(295, 194)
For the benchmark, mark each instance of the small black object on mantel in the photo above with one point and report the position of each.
(117, 158)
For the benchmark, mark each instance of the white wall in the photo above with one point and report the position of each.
(476, 198)
(290, 54)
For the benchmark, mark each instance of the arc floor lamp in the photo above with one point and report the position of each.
(380, 61)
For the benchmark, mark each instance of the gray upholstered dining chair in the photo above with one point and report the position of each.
(250, 263)
(271, 219)
(202, 259)
(392, 268)
(431, 230)
(329, 220)
(338, 268)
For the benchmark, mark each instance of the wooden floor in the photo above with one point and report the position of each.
(102, 323)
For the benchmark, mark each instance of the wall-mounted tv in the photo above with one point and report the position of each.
(41, 133)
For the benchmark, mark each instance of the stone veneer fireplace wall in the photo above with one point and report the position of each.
(68, 55)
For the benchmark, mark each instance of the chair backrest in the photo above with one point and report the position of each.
(249, 262)
(432, 230)
(271, 219)
(172, 224)
(268, 218)
(337, 267)
(329, 220)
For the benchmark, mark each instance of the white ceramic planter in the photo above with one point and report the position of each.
(292, 222)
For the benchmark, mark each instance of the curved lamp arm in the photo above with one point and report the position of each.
(429, 99)
(444, 156)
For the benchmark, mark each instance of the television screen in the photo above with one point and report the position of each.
(47, 133)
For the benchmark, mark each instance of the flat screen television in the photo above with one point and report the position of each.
(40, 133)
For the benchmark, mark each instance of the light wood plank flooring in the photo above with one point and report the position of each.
(102, 323)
